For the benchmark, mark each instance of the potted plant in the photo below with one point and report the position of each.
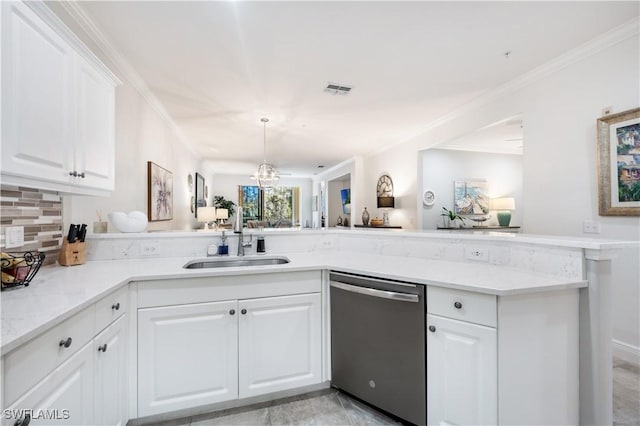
(220, 202)
(450, 217)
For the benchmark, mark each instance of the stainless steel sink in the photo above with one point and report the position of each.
(235, 262)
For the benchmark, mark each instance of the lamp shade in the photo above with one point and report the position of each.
(386, 202)
(507, 203)
(222, 214)
(206, 214)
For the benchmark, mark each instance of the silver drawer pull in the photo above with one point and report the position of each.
(392, 295)
(457, 305)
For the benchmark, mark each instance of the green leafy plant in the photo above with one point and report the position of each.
(451, 215)
(220, 202)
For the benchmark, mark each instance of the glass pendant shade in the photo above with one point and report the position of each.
(267, 175)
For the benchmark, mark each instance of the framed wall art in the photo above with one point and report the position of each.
(619, 164)
(159, 193)
(471, 197)
(200, 200)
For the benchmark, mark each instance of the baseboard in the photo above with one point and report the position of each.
(626, 352)
(231, 407)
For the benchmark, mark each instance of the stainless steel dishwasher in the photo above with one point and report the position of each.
(378, 343)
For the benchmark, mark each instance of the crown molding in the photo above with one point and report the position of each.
(610, 38)
(126, 71)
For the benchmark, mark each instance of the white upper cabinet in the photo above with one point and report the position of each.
(57, 107)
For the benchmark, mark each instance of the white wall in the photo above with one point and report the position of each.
(559, 162)
(335, 200)
(354, 169)
(441, 167)
(227, 186)
(141, 135)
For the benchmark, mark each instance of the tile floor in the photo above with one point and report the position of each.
(626, 393)
(327, 407)
(332, 407)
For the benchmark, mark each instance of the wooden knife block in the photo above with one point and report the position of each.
(72, 253)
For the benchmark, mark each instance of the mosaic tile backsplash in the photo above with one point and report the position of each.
(40, 212)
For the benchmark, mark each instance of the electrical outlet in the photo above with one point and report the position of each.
(149, 248)
(591, 227)
(14, 236)
(480, 254)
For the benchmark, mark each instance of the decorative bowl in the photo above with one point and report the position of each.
(135, 221)
(376, 221)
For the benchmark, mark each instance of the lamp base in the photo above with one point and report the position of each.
(504, 218)
(385, 218)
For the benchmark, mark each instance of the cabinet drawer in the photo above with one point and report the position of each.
(29, 363)
(462, 305)
(214, 289)
(111, 308)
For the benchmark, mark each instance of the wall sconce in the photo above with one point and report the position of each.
(504, 207)
(208, 216)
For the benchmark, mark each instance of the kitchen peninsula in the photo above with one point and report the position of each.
(548, 293)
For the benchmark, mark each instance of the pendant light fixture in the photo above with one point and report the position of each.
(267, 175)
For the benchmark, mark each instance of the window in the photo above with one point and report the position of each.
(269, 208)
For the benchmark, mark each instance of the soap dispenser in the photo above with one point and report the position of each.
(223, 248)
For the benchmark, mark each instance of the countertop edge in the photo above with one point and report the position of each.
(553, 285)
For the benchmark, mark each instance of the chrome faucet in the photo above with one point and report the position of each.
(239, 229)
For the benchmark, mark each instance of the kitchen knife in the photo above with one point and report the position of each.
(83, 232)
(73, 233)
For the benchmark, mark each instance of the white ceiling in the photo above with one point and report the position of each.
(504, 137)
(218, 67)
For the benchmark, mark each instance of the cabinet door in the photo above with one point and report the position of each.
(279, 343)
(65, 396)
(187, 356)
(461, 373)
(110, 352)
(36, 97)
(94, 143)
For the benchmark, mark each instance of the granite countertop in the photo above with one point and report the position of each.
(57, 292)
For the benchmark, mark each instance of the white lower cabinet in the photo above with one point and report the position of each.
(279, 343)
(70, 375)
(188, 356)
(462, 380)
(110, 352)
(203, 353)
(63, 397)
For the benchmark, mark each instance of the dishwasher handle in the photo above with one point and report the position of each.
(393, 295)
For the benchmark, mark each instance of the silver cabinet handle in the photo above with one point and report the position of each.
(384, 294)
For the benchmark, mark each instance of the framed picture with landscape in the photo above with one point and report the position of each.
(619, 164)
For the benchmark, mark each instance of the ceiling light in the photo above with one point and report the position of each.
(267, 175)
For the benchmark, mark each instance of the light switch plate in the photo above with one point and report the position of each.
(14, 236)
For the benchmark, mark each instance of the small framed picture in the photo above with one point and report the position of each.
(200, 200)
(619, 164)
(159, 193)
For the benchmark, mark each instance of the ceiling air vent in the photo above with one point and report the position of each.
(338, 89)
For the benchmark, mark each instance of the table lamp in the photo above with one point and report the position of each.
(386, 203)
(207, 215)
(222, 214)
(504, 207)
